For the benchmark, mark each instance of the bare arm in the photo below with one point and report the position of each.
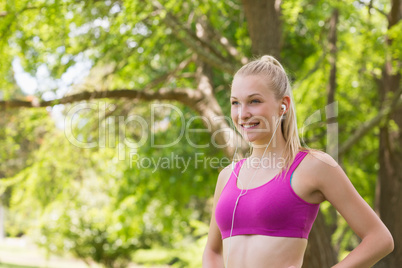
(213, 257)
(336, 187)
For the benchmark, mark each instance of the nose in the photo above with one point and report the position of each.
(244, 113)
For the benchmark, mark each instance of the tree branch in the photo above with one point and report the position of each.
(369, 125)
(226, 44)
(186, 96)
(168, 76)
(206, 52)
(370, 5)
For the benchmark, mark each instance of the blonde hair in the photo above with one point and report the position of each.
(270, 69)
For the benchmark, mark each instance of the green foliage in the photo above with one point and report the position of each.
(21, 134)
(113, 202)
(99, 204)
(395, 34)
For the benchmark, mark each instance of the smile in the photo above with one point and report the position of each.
(249, 126)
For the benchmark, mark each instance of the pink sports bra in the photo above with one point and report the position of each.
(272, 209)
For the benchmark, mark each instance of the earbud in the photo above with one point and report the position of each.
(283, 107)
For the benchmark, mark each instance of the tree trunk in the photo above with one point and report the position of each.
(319, 251)
(389, 192)
(390, 188)
(264, 26)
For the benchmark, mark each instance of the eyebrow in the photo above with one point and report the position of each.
(249, 96)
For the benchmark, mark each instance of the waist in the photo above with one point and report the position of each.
(264, 251)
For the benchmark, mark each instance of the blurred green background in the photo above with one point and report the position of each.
(92, 90)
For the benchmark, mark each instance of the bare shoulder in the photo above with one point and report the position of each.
(226, 170)
(327, 175)
(316, 170)
(317, 163)
(320, 161)
(223, 178)
(308, 176)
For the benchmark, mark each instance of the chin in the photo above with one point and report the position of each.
(251, 139)
(257, 140)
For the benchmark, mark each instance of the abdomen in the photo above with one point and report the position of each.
(264, 251)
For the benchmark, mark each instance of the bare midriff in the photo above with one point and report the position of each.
(258, 251)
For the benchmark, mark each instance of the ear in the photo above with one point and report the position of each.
(286, 101)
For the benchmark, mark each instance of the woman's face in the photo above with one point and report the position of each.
(255, 110)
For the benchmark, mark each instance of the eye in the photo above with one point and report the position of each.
(255, 101)
(234, 102)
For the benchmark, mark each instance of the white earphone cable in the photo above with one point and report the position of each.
(246, 190)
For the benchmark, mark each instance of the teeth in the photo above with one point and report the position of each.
(249, 126)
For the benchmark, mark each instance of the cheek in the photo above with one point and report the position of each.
(234, 114)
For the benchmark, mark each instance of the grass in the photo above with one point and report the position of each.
(7, 265)
(20, 253)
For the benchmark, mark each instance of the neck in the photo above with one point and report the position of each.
(275, 148)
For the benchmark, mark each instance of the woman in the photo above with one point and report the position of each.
(265, 205)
